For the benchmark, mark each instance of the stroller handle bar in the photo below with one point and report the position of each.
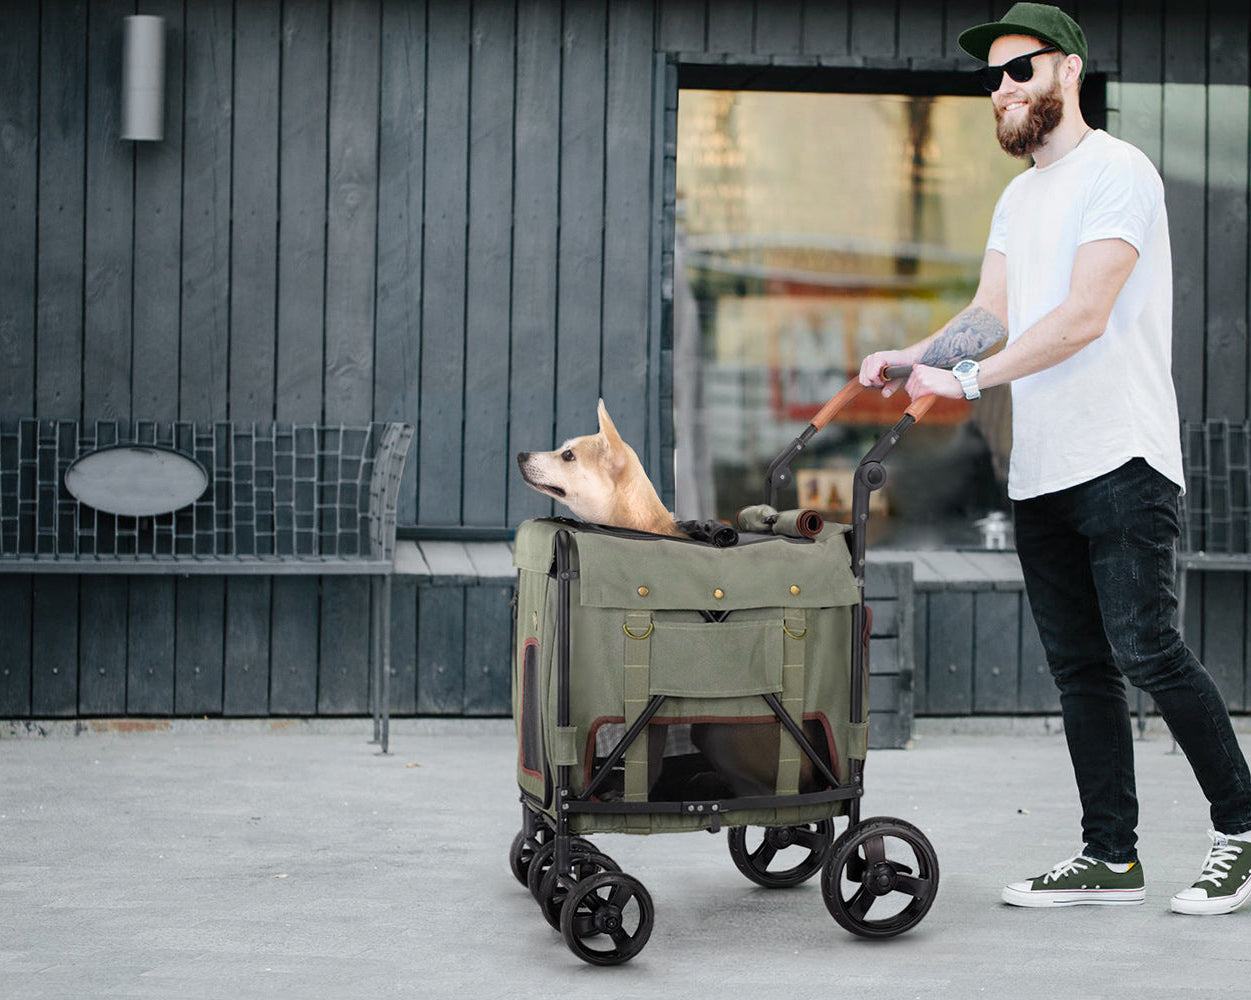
(916, 409)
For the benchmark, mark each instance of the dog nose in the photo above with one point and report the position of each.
(522, 457)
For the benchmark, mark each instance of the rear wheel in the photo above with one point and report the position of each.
(779, 857)
(555, 885)
(881, 877)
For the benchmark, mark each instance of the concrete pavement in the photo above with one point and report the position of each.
(261, 860)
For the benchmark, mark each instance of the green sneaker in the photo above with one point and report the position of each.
(1079, 880)
(1224, 885)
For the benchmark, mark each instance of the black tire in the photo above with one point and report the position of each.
(804, 847)
(607, 919)
(522, 853)
(880, 878)
(542, 861)
(553, 891)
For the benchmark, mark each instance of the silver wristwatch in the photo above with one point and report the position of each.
(966, 374)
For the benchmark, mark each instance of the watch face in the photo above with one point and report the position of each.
(964, 367)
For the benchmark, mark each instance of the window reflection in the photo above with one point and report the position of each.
(811, 230)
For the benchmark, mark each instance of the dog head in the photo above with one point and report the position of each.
(588, 474)
(600, 478)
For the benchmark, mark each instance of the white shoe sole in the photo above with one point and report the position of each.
(1211, 907)
(1073, 897)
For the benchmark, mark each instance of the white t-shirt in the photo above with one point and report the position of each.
(1114, 399)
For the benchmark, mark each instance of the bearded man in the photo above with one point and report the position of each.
(1077, 277)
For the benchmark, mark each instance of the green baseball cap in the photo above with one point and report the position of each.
(1041, 20)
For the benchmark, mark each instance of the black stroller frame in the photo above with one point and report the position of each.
(605, 915)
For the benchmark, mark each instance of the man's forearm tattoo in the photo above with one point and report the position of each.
(968, 335)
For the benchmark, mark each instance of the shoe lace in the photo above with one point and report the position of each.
(1222, 855)
(1070, 867)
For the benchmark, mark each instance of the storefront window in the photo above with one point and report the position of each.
(813, 229)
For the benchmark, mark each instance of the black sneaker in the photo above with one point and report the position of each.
(1079, 880)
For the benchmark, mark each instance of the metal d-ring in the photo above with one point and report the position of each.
(792, 634)
(626, 629)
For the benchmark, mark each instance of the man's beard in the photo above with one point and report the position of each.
(1043, 115)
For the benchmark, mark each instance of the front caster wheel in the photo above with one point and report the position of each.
(804, 848)
(542, 861)
(881, 878)
(554, 889)
(523, 851)
(607, 919)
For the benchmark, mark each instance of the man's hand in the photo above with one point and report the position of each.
(927, 381)
(872, 366)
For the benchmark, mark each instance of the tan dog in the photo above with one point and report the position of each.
(600, 479)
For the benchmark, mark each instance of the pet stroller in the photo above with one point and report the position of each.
(664, 685)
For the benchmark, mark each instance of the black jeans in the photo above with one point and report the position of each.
(1099, 569)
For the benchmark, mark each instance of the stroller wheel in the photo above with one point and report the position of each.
(803, 847)
(607, 919)
(881, 878)
(542, 861)
(521, 854)
(553, 890)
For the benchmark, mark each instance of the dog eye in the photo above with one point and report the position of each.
(567, 454)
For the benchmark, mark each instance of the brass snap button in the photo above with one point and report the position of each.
(794, 590)
(643, 591)
(718, 593)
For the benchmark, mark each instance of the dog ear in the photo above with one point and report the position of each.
(606, 426)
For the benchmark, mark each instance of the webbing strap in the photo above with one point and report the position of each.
(789, 755)
(636, 690)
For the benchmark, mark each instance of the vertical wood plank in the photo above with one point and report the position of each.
(108, 249)
(1185, 140)
(150, 645)
(154, 370)
(16, 632)
(19, 175)
(950, 666)
(921, 31)
(487, 465)
(293, 655)
(351, 214)
(921, 648)
(826, 27)
(1101, 23)
(627, 334)
(873, 29)
(536, 195)
(198, 646)
(54, 665)
(207, 114)
(439, 477)
(961, 14)
(405, 630)
(104, 604)
(246, 673)
(401, 191)
(441, 651)
(779, 27)
(680, 24)
(1225, 629)
(488, 636)
(302, 211)
(243, 688)
(62, 156)
(343, 684)
(254, 212)
(580, 264)
(996, 649)
(731, 28)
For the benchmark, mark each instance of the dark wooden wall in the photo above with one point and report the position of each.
(455, 213)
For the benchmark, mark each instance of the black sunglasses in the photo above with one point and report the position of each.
(1021, 69)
